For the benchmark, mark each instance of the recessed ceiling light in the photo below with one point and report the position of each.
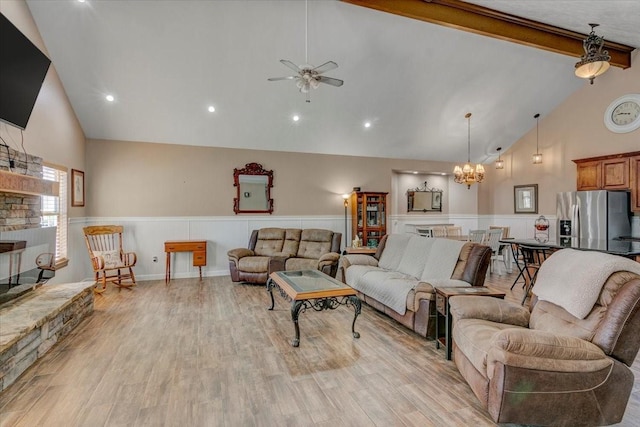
(415, 172)
(296, 118)
(81, 1)
(109, 98)
(367, 124)
(211, 109)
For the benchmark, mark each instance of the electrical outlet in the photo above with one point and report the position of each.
(155, 259)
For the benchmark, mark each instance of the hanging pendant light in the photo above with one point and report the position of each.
(595, 61)
(466, 174)
(499, 162)
(537, 157)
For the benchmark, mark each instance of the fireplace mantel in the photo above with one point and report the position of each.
(23, 184)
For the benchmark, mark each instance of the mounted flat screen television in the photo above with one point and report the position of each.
(23, 68)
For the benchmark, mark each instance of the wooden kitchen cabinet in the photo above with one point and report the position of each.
(635, 183)
(589, 175)
(614, 172)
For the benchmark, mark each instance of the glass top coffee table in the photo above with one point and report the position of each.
(312, 289)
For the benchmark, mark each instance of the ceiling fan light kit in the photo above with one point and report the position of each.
(309, 77)
(595, 61)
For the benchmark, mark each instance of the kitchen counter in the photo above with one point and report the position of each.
(626, 248)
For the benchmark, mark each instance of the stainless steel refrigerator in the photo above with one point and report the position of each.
(599, 215)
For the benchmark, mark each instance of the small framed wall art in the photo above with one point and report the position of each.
(77, 188)
(525, 198)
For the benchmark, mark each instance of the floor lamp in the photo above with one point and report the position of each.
(346, 204)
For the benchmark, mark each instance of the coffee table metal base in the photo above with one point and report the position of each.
(317, 304)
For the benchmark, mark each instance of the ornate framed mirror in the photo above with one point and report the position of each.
(253, 186)
(424, 199)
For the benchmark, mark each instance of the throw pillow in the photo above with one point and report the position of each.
(111, 258)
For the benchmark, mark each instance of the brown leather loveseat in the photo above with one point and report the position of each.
(279, 249)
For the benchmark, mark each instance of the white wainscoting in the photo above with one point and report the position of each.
(146, 237)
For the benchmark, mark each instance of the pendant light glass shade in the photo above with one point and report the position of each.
(595, 61)
(537, 157)
(499, 162)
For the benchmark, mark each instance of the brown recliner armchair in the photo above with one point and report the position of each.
(278, 249)
(547, 366)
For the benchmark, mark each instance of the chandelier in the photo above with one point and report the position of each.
(466, 174)
(595, 61)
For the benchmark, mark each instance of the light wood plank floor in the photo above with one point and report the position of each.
(210, 354)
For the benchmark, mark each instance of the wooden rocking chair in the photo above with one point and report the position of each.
(110, 262)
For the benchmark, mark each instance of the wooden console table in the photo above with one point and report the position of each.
(197, 247)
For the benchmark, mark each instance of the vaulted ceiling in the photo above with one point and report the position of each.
(166, 62)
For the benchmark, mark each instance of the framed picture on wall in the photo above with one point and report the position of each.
(77, 188)
(525, 198)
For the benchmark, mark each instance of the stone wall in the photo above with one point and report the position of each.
(19, 211)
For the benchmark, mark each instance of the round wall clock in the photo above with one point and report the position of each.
(623, 114)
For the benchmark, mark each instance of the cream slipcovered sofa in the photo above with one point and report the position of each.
(278, 249)
(566, 361)
(399, 280)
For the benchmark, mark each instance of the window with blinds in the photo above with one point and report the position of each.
(54, 211)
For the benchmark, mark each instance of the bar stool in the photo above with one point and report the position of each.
(533, 257)
(517, 259)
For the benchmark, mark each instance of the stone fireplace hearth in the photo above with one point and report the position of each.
(33, 324)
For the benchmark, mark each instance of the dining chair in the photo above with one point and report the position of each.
(425, 231)
(477, 236)
(439, 231)
(454, 231)
(505, 230)
(492, 239)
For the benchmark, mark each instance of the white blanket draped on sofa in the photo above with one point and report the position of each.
(422, 259)
(574, 283)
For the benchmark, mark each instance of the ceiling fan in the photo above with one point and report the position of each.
(309, 77)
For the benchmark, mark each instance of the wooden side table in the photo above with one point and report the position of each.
(442, 309)
(197, 247)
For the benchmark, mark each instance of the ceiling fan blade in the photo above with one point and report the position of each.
(274, 79)
(330, 81)
(290, 64)
(329, 65)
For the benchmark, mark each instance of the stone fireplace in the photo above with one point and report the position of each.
(38, 316)
(22, 239)
(21, 186)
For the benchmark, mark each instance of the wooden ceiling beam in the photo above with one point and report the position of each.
(489, 22)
